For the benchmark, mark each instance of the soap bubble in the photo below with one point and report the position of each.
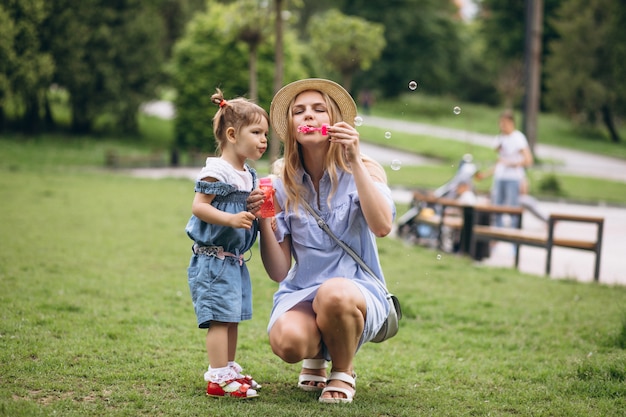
(358, 121)
(387, 135)
(456, 110)
(412, 85)
(396, 164)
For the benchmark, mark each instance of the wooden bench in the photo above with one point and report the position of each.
(476, 230)
(547, 240)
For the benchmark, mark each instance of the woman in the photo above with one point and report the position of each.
(326, 306)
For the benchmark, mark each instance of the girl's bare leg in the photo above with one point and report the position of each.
(217, 344)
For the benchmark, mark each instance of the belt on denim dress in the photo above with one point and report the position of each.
(215, 251)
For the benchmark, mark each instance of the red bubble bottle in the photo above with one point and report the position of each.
(267, 208)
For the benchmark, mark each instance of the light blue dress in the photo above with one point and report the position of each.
(220, 285)
(317, 257)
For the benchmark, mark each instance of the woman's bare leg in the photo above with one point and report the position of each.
(295, 335)
(340, 310)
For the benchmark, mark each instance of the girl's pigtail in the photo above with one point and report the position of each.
(218, 98)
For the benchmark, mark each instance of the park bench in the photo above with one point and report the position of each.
(547, 240)
(474, 223)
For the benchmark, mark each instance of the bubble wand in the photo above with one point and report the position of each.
(308, 129)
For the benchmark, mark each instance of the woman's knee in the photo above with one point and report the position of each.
(291, 341)
(338, 294)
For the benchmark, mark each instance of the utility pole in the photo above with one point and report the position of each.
(532, 69)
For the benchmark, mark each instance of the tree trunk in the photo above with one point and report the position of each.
(81, 122)
(254, 89)
(2, 119)
(31, 122)
(278, 70)
(532, 98)
(346, 78)
(128, 119)
(607, 118)
(48, 118)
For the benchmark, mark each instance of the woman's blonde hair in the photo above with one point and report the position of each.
(333, 161)
(236, 113)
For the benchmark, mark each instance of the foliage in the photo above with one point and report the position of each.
(422, 43)
(26, 67)
(209, 57)
(345, 43)
(502, 26)
(249, 22)
(109, 57)
(586, 74)
(550, 185)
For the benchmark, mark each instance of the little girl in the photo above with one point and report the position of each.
(222, 231)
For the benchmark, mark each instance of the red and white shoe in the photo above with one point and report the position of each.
(247, 380)
(244, 379)
(232, 388)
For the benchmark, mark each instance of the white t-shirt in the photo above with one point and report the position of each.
(510, 149)
(223, 171)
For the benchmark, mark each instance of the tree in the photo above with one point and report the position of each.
(109, 57)
(209, 56)
(422, 43)
(585, 71)
(175, 15)
(249, 22)
(502, 26)
(7, 59)
(27, 68)
(345, 43)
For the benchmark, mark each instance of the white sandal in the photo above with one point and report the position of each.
(304, 380)
(339, 376)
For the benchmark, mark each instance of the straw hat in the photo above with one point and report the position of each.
(279, 110)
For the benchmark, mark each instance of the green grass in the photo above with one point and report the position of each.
(96, 317)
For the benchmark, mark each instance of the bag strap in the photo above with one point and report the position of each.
(324, 226)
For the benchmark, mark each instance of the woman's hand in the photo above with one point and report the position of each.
(348, 137)
(254, 201)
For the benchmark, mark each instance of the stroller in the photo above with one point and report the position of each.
(423, 233)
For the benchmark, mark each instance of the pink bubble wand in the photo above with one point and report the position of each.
(308, 129)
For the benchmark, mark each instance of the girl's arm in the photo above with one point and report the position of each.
(202, 209)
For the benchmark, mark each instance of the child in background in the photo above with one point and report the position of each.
(222, 231)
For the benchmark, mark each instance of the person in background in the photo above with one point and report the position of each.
(514, 156)
(222, 231)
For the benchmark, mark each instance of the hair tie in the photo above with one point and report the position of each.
(223, 103)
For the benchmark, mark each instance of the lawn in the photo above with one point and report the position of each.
(96, 317)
